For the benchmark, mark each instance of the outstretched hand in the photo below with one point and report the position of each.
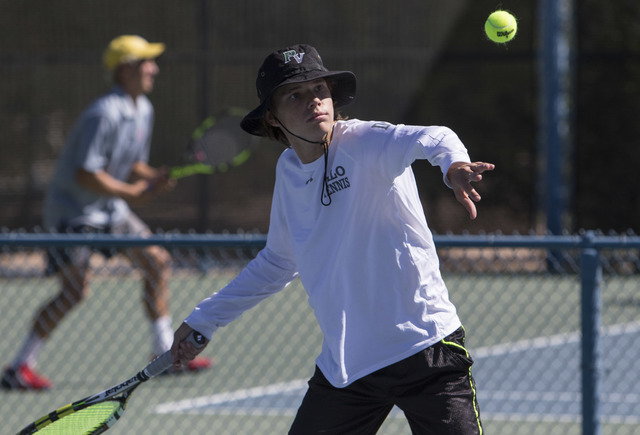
(460, 176)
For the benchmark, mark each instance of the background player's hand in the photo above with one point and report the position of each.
(182, 351)
(161, 182)
(460, 176)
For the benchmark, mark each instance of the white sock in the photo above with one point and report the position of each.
(29, 351)
(162, 335)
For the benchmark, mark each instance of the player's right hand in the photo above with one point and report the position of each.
(181, 350)
(162, 182)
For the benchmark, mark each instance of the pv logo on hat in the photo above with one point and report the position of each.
(292, 54)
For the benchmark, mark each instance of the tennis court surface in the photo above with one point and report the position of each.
(551, 394)
(522, 330)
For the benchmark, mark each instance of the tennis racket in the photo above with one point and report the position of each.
(96, 414)
(217, 145)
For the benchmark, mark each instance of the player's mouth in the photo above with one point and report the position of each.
(317, 116)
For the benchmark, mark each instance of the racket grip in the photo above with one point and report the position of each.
(164, 361)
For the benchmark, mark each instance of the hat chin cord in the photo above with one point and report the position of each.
(325, 149)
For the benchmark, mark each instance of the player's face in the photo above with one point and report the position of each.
(148, 71)
(305, 108)
(139, 77)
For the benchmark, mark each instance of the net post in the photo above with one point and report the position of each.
(591, 305)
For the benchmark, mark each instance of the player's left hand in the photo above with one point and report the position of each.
(460, 176)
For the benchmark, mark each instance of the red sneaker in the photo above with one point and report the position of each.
(24, 378)
(197, 364)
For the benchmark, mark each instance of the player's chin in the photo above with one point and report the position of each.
(322, 124)
(148, 86)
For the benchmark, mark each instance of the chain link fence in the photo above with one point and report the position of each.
(553, 324)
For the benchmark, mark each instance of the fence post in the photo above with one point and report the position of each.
(590, 277)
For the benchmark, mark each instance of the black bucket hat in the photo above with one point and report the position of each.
(295, 64)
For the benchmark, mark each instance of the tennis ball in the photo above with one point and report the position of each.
(501, 27)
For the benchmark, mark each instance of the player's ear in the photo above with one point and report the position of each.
(271, 120)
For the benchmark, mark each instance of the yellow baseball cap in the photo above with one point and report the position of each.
(128, 48)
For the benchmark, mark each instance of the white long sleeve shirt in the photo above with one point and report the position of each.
(367, 261)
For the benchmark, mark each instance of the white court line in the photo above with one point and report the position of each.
(546, 396)
(550, 341)
(221, 403)
(226, 398)
(201, 404)
(555, 418)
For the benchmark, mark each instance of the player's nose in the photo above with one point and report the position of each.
(315, 101)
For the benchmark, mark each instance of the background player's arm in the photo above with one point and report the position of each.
(158, 179)
(144, 171)
(102, 183)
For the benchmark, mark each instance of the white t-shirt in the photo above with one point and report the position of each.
(367, 261)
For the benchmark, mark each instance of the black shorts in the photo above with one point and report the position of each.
(434, 388)
(79, 255)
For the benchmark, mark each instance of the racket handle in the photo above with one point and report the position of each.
(164, 361)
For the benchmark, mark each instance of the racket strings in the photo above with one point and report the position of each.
(217, 145)
(221, 143)
(93, 419)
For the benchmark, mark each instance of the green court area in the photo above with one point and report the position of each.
(523, 328)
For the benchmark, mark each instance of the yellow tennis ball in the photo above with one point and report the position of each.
(501, 27)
